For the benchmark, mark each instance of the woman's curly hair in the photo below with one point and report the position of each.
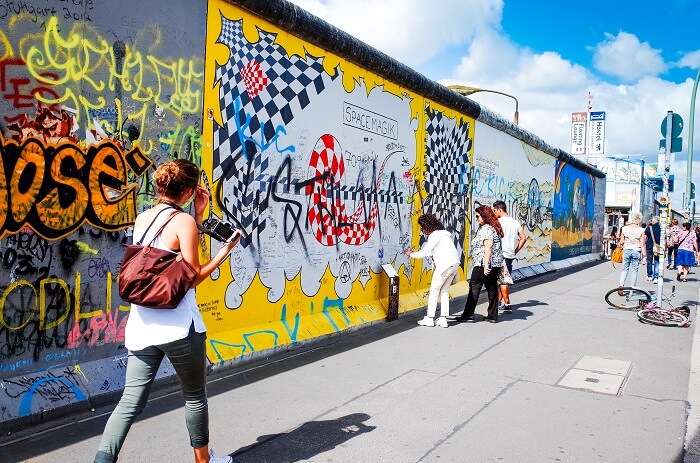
(173, 178)
(430, 223)
(490, 218)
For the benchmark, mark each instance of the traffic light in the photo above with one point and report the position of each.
(692, 191)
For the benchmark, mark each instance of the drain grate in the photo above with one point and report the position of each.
(597, 374)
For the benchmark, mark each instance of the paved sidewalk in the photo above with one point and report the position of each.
(471, 393)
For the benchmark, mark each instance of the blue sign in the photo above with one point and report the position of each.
(597, 115)
(657, 183)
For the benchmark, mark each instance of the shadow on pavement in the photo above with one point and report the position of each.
(515, 315)
(305, 442)
(530, 303)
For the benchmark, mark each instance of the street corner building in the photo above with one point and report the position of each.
(323, 150)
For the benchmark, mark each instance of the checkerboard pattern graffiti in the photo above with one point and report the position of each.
(260, 91)
(327, 214)
(447, 172)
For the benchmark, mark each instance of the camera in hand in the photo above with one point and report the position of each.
(217, 229)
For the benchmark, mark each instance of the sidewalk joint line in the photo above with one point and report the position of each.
(461, 425)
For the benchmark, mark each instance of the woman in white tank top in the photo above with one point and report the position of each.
(633, 242)
(179, 333)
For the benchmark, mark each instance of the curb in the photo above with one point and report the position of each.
(691, 442)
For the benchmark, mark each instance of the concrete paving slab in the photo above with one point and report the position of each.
(604, 365)
(585, 380)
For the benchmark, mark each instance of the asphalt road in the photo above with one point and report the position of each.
(470, 393)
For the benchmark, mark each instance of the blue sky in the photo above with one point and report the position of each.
(550, 54)
(543, 25)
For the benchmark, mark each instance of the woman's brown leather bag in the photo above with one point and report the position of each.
(152, 277)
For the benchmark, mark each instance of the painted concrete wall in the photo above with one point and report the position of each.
(324, 164)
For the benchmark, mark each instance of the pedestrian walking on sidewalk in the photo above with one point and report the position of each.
(514, 239)
(612, 240)
(653, 238)
(685, 256)
(440, 247)
(633, 244)
(179, 333)
(672, 235)
(487, 258)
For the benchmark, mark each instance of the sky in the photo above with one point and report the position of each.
(638, 59)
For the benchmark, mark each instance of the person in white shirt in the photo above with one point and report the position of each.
(514, 239)
(179, 333)
(441, 248)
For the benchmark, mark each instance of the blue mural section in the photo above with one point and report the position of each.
(573, 215)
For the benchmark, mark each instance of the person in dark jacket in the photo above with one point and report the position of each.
(653, 234)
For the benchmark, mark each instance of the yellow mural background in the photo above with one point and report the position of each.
(258, 324)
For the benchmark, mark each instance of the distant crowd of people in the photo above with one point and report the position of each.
(641, 241)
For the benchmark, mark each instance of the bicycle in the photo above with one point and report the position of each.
(628, 298)
(657, 315)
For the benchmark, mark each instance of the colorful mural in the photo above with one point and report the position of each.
(323, 164)
(574, 193)
(509, 170)
(88, 105)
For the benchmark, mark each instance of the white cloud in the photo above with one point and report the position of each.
(690, 60)
(412, 31)
(625, 57)
(548, 86)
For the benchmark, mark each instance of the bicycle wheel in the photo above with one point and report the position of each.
(627, 298)
(662, 317)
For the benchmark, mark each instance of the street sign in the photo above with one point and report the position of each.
(578, 133)
(676, 126)
(596, 132)
(657, 183)
(676, 130)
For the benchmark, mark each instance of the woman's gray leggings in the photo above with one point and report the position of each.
(188, 356)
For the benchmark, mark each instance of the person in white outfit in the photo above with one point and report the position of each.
(441, 248)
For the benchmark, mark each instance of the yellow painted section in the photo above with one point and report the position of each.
(259, 324)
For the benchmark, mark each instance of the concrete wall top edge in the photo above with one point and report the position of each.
(304, 24)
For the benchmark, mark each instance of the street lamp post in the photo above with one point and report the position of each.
(691, 132)
(466, 90)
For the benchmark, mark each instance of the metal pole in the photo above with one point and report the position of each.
(664, 210)
(691, 133)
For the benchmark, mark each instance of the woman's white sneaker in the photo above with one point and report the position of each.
(442, 322)
(214, 459)
(426, 321)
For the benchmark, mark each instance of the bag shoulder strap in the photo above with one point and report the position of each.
(160, 230)
(653, 238)
(143, 237)
(684, 238)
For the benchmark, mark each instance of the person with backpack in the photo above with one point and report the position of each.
(177, 333)
(685, 256)
(440, 247)
(653, 237)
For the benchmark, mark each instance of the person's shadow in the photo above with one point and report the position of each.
(305, 442)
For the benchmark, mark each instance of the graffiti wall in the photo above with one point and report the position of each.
(323, 164)
(573, 217)
(92, 95)
(509, 170)
(599, 214)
